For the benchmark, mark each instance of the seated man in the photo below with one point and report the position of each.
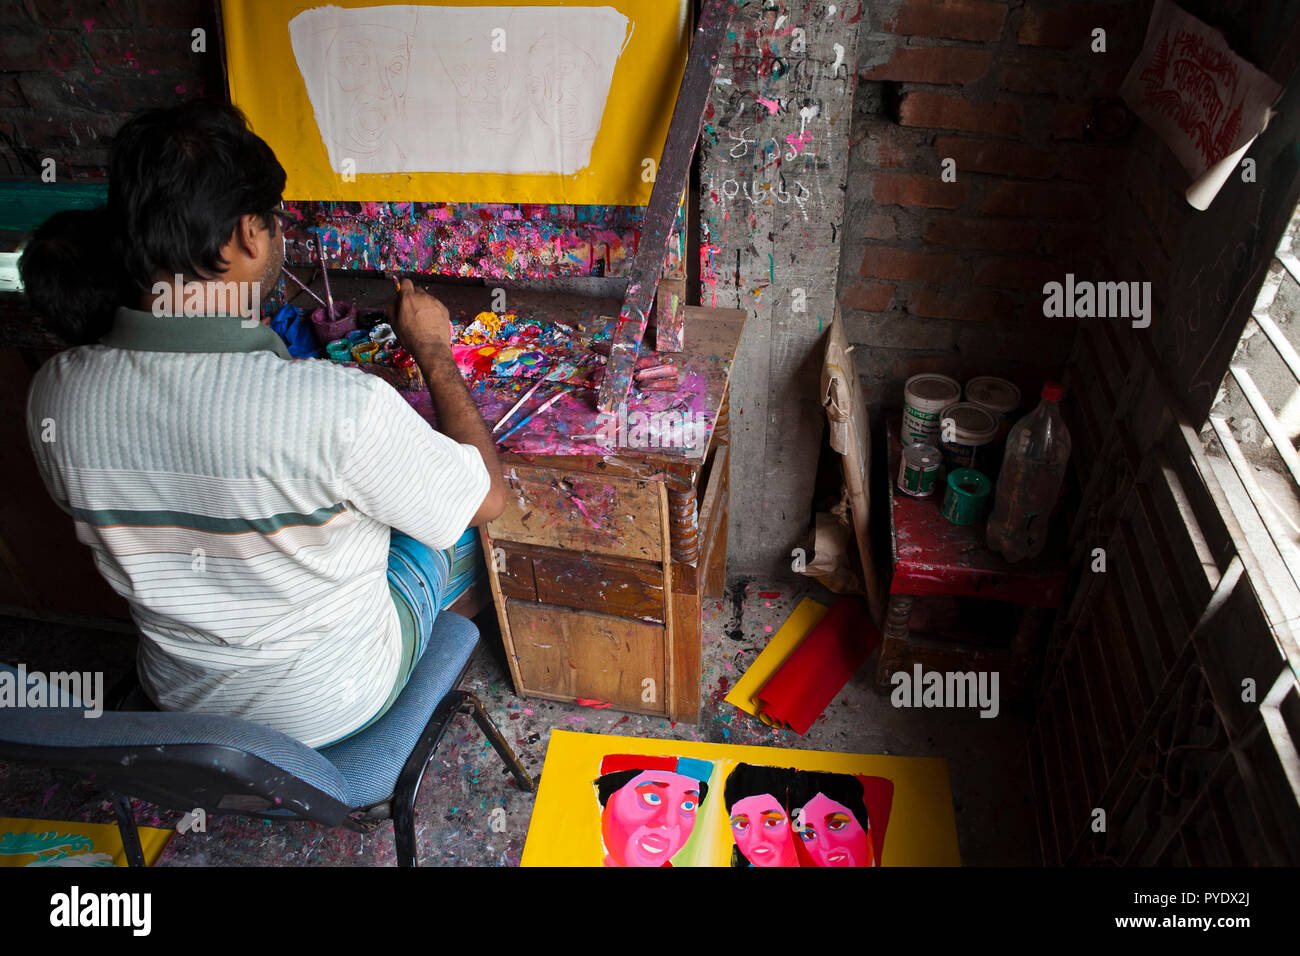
(243, 504)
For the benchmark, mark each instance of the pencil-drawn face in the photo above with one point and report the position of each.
(488, 91)
(649, 818)
(832, 835)
(559, 77)
(761, 829)
(370, 65)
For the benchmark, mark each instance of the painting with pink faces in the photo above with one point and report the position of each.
(777, 816)
(624, 802)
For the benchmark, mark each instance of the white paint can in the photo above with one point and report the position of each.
(924, 399)
(970, 438)
(997, 396)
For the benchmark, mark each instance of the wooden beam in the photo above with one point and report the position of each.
(670, 179)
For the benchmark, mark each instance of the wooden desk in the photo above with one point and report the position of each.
(600, 562)
(599, 565)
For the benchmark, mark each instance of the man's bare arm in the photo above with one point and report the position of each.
(423, 325)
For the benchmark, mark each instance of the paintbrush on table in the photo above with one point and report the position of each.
(514, 408)
(540, 408)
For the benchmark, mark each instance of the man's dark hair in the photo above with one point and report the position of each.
(609, 784)
(180, 178)
(71, 278)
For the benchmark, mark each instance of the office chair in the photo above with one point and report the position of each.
(183, 761)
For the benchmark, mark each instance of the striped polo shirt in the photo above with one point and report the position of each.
(242, 505)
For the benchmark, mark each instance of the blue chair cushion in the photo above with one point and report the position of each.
(66, 726)
(371, 760)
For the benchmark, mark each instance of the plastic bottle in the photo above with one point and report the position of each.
(1033, 467)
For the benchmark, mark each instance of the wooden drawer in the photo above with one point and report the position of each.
(587, 582)
(622, 517)
(566, 654)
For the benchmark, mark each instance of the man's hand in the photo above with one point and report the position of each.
(421, 322)
(423, 325)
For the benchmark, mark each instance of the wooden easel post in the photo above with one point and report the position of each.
(661, 213)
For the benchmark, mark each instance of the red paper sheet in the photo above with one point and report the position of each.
(822, 664)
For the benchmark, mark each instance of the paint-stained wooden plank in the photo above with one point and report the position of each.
(624, 588)
(574, 655)
(581, 512)
(714, 512)
(670, 180)
(670, 316)
(515, 572)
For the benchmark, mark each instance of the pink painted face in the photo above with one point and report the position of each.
(832, 835)
(761, 829)
(649, 819)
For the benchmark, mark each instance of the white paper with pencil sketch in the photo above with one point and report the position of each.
(1207, 103)
(507, 89)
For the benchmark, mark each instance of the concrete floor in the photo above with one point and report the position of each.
(987, 764)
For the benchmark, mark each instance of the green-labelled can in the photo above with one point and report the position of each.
(967, 494)
(919, 470)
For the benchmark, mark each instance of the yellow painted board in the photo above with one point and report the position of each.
(565, 829)
(382, 77)
(29, 842)
(783, 643)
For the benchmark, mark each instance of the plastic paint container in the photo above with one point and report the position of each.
(365, 352)
(924, 398)
(966, 497)
(339, 351)
(997, 396)
(973, 430)
(357, 336)
(383, 335)
(918, 472)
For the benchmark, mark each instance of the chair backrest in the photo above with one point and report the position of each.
(180, 761)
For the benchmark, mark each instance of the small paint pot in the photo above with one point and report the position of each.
(365, 352)
(966, 496)
(924, 398)
(343, 321)
(967, 433)
(357, 336)
(918, 472)
(383, 335)
(339, 351)
(999, 398)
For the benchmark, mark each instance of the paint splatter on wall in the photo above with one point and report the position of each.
(774, 165)
(496, 241)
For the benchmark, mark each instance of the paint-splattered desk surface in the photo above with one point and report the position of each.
(572, 428)
(931, 555)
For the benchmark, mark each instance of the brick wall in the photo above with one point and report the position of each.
(72, 72)
(948, 276)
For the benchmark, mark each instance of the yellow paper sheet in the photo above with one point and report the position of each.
(565, 829)
(25, 842)
(430, 101)
(783, 643)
